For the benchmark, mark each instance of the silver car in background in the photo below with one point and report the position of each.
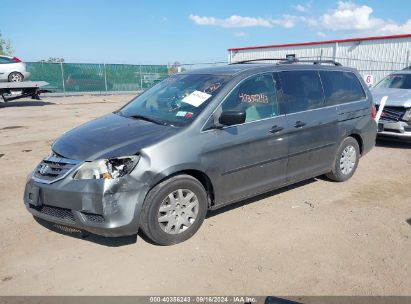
(12, 69)
(395, 119)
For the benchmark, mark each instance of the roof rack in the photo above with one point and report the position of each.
(321, 62)
(290, 60)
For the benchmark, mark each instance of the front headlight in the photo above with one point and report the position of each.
(407, 115)
(107, 168)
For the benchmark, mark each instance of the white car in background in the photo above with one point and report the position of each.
(12, 69)
(395, 118)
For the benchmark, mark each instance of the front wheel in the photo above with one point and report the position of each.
(346, 162)
(174, 210)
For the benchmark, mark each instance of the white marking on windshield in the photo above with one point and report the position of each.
(196, 98)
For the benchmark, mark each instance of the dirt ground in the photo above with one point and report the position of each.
(315, 238)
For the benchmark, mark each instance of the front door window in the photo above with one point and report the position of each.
(256, 96)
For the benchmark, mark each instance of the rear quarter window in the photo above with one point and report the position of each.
(341, 87)
(4, 60)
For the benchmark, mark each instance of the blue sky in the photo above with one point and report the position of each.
(160, 31)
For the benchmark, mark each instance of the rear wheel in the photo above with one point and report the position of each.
(16, 77)
(174, 210)
(346, 162)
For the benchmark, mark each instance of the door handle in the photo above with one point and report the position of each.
(299, 124)
(276, 129)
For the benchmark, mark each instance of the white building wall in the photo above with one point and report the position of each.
(371, 57)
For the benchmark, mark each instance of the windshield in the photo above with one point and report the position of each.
(396, 81)
(177, 100)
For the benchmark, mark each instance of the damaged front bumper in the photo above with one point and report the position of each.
(103, 207)
(398, 129)
(395, 121)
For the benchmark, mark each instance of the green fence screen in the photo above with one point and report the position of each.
(103, 78)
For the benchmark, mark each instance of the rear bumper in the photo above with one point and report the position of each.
(108, 208)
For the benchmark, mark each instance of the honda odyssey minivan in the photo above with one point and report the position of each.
(200, 140)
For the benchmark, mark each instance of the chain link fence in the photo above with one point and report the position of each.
(71, 78)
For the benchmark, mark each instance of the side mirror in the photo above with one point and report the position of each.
(229, 118)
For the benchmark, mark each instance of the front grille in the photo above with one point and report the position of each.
(54, 168)
(393, 114)
(95, 218)
(57, 212)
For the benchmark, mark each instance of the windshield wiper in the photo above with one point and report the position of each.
(150, 119)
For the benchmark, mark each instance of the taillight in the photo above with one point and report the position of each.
(373, 112)
(16, 59)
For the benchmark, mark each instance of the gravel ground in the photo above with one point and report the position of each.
(315, 238)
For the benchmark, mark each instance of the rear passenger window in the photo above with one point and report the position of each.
(341, 87)
(302, 90)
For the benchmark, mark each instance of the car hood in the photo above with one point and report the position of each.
(396, 97)
(110, 136)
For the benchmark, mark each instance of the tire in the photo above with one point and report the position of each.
(15, 77)
(346, 160)
(179, 217)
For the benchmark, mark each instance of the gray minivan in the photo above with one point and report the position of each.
(200, 140)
